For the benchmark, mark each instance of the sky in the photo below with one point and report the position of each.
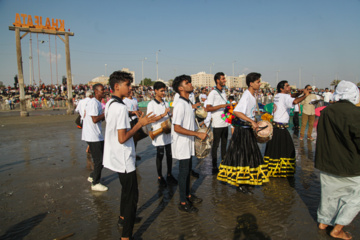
(281, 39)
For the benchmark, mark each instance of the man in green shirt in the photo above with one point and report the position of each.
(338, 159)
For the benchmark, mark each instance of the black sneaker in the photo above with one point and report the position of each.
(188, 207)
(215, 170)
(194, 174)
(171, 180)
(162, 182)
(121, 221)
(194, 199)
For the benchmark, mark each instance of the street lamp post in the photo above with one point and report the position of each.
(157, 66)
(211, 65)
(142, 68)
(233, 67)
(105, 69)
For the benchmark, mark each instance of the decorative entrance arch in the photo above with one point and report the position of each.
(25, 24)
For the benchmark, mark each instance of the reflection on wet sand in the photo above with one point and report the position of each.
(45, 172)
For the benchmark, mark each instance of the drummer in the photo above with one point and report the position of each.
(162, 142)
(183, 145)
(216, 102)
(243, 164)
(280, 150)
(194, 106)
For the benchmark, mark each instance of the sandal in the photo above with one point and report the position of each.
(311, 139)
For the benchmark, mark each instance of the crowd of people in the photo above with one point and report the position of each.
(241, 163)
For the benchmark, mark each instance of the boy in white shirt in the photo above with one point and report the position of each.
(183, 145)
(162, 142)
(280, 150)
(243, 164)
(119, 150)
(133, 109)
(216, 102)
(91, 133)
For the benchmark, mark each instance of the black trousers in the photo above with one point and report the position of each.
(160, 150)
(220, 134)
(128, 201)
(184, 178)
(97, 151)
(296, 119)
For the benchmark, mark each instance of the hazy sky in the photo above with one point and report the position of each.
(320, 37)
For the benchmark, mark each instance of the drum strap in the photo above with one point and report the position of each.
(116, 99)
(218, 91)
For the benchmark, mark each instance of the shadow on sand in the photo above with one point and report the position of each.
(23, 228)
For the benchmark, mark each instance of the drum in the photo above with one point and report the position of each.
(200, 114)
(265, 131)
(141, 133)
(203, 147)
(165, 128)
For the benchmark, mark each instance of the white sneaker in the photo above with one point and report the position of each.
(99, 187)
(90, 179)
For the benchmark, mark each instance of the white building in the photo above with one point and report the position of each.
(236, 82)
(102, 79)
(202, 79)
(131, 72)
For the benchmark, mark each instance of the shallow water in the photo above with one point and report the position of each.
(44, 193)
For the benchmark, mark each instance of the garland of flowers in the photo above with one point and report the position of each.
(229, 117)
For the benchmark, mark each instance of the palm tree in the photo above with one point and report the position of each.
(335, 82)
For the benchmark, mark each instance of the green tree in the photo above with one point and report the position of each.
(358, 84)
(335, 82)
(147, 82)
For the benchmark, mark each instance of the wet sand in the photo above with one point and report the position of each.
(45, 195)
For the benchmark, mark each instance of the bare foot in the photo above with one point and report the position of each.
(340, 234)
(322, 226)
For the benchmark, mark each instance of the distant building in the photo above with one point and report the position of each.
(160, 80)
(102, 79)
(236, 82)
(131, 72)
(264, 85)
(202, 79)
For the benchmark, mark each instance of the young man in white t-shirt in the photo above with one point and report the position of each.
(243, 165)
(91, 133)
(162, 142)
(280, 150)
(194, 106)
(327, 97)
(183, 142)
(216, 102)
(133, 109)
(119, 150)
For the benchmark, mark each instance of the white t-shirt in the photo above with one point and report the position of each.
(91, 132)
(247, 105)
(327, 96)
(158, 108)
(80, 108)
(214, 99)
(118, 157)
(296, 108)
(132, 105)
(182, 146)
(282, 105)
(208, 116)
(177, 96)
